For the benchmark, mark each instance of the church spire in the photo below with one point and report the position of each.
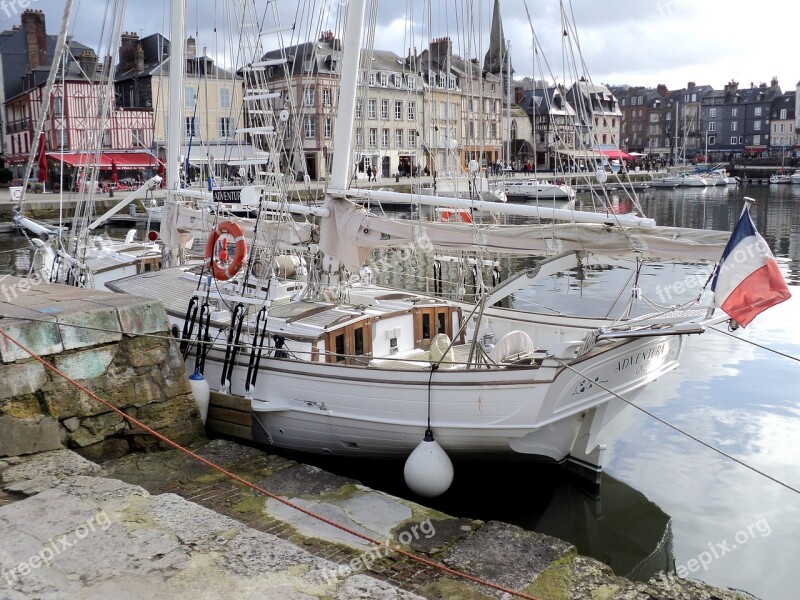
(495, 60)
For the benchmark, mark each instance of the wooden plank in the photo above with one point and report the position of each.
(229, 401)
(230, 429)
(234, 417)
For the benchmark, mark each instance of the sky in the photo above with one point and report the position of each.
(635, 42)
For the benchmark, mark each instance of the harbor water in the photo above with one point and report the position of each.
(666, 502)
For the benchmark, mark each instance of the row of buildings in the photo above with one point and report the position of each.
(431, 110)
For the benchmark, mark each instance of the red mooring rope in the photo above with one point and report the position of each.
(253, 486)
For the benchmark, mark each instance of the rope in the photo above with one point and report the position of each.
(259, 489)
(681, 431)
(757, 345)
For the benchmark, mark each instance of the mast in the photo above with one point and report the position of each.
(508, 104)
(677, 105)
(176, 68)
(352, 37)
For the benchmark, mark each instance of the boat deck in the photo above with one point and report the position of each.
(168, 285)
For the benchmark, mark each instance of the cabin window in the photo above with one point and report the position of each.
(339, 347)
(426, 326)
(441, 322)
(358, 341)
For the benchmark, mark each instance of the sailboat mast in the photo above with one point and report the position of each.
(677, 104)
(176, 68)
(351, 54)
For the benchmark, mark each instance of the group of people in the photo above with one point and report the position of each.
(372, 174)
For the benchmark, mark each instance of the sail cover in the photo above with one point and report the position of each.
(350, 233)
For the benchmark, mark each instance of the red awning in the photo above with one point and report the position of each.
(618, 154)
(755, 149)
(124, 160)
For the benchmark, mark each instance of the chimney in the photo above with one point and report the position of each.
(127, 49)
(662, 89)
(774, 82)
(35, 38)
(191, 47)
(88, 62)
(441, 49)
(519, 93)
(138, 59)
(731, 87)
(691, 85)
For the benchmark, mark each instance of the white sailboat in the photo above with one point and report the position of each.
(354, 369)
(359, 370)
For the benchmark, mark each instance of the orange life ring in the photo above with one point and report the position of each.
(219, 271)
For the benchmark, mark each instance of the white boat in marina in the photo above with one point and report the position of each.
(334, 364)
(535, 189)
(795, 177)
(722, 177)
(780, 178)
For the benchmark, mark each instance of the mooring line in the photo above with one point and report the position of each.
(756, 344)
(410, 555)
(679, 430)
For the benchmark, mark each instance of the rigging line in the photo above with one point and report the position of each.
(410, 555)
(756, 344)
(678, 429)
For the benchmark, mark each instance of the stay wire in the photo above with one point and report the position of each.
(410, 555)
(679, 430)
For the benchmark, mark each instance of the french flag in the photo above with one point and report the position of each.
(747, 280)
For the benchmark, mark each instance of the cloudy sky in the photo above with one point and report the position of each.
(638, 42)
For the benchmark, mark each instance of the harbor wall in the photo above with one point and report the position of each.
(116, 345)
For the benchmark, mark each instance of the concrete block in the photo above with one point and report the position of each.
(28, 436)
(85, 324)
(21, 379)
(138, 316)
(86, 364)
(43, 338)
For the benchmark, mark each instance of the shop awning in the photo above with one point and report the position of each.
(578, 153)
(617, 154)
(124, 160)
(755, 149)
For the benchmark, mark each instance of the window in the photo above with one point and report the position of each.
(310, 127)
(326, 96)
(712, 112)
(494, 129)
(412, 138)
(359, 109)
(384, 109)
(756, 139)
(61, 135)
(339, 347)
(189, 126)
(453, 109)
(452, 83)
(757, 126)
(358, 341)
(734, 139)
(443, 110)
(372, 109)
(373, 137)
(58, 106)
(712, 139)
(308, 96)
(398, 138)
(107, 138)
(783, 113)
(224, 129)
(757, 111)
(712, 126)
(308, 65)
(190, 96)
(224, 97)
(734, 125)
(384, 138)
(398, 110)
(782, 125)
(741, 139)
(137, 135)
(734, 112)
(327, 126)
(412, 110)
(372, 78)
(411, 83)
(359, 138)
(398, 81)
(384, 80)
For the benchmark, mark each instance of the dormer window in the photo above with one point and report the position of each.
(384, 80)
(398, 81)
(372, 79)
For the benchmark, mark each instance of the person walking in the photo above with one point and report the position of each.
(369, 173)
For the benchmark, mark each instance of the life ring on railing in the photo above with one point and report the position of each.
(223, 273)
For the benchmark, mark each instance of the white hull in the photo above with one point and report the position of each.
(539, 190)
(382, 413)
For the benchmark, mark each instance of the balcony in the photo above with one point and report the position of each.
(19, 125)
